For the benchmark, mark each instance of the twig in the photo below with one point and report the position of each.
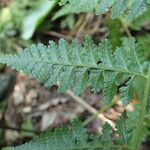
(125, 27)
(80, 21)
(100, 111)
(83, 25)
(91, 109)
(59, 35)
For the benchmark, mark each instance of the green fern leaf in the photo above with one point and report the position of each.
(110, 87)
(75, 66)
(141, 21)
(119, 8)
(104, 6)
(75, 7)
(62, 2)
(73, 138)
(137, 8)
(125, 132)
(131, 9)
(64, 139)
(127, 93)
(106, 136)
(96, 80)
(132, 122)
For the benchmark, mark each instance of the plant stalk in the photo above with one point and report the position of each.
(136, 136)
(94, 116)
(91, 109)
(125, 27)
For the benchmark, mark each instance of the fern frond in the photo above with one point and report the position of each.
(125, 132)
(132, 122)
(64, 139)
(126, 92)
(131, 9)
(118, 7)
(73, 138)
(76, 66)
(75, 7)
(76, 138)
(63, 2)
(141, 21)
(106, 138)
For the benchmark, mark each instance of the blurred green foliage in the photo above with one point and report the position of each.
(68, 22)
(11, 18)
(27, 124)
(144, 41)
(35, 17)
(19, 20)
(142, 20)
(114, 30)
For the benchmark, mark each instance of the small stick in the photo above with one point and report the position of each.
(94, 116)
(91, 109)
(59, 35)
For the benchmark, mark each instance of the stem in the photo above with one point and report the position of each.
(94, 116)
(99, 67)
(136, 136)
(90, 109)
(82, 102)
(125, 27)
(92, 146)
